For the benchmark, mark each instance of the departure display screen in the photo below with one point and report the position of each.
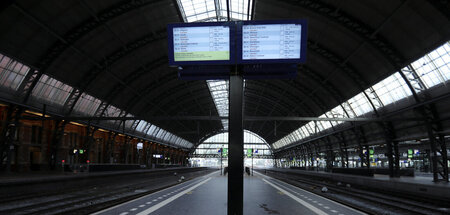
(201, 43)
(271, 41)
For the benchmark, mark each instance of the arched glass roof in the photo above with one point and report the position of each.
(54, 93)
(211, 146)
(214, 10)
(249, 137)
(432, 69)
(214, 151)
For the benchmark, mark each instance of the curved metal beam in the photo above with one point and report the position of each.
(441, 6)
(69, 39)
(80, 31)
(355, 26)
(94, 73)
(135, 75)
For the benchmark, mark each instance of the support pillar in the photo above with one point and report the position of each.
(58, 133)
(330, 155)
(236, 147)
(392, 151)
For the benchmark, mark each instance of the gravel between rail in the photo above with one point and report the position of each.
(362, 199)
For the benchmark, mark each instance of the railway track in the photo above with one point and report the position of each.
(367, 201)
(89, 199)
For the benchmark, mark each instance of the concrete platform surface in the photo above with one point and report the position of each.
(208, 195)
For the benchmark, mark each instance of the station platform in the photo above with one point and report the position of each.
(418, 185)
(208, 195)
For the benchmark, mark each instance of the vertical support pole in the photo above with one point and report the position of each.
(252, 161)
(390, 156)
(236, 147)
(367, 156)
(392, 152)
(228, 15)
(10, 146)
(397, 160)
(329, 156)
(342, 154)
(221, 158)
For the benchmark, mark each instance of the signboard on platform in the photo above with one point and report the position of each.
(276, 41)
(259, 49)
(225, 152)
(201, 43)
(157, 156)
(249, 153)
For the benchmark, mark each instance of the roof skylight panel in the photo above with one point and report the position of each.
(51, 90)
(12, 72)
(199, 10)
(434, 68)
(360, 105)
(141, 125)
(151, 130)
(219, 92)
(392, 89)
(87, 104)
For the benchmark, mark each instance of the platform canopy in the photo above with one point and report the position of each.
(114, 53)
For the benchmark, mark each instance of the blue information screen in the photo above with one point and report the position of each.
(202, 43)
(271, 41)
(240, 42)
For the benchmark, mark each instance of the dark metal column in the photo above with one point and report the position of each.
(330, 155)
(58, 133)
(236, 147)
(391, 150)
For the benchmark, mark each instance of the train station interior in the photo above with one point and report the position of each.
(97, 117)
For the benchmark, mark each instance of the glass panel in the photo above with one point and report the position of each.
(140, 127)
(87, 104)
(160, 133)
(151, 130)
(219, 93)
(129, 123)
(326, 124)
(112, 111)
(155, 132)
(51, 90)
(198, 10)
(215, 142)
(249, 137)
(360, 104)
(434, 68)
(392, 89)
(12, 72)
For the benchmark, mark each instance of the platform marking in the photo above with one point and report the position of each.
(321, 197)
(193, 181)
(306, 204)
(324, 206)
(167, 201)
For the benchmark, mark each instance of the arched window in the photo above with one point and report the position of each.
(215, 148)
